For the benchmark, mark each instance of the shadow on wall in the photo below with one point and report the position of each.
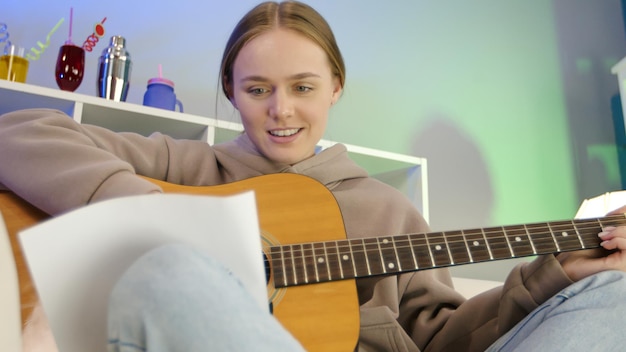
(459, 186)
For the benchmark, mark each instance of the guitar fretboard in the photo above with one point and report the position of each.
(314, 262)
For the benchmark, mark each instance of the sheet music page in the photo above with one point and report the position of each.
(601, 205)
(75, 259)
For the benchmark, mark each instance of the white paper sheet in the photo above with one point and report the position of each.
(75, 259)
(601, 205)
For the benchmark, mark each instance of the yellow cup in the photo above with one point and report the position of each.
(13, 64)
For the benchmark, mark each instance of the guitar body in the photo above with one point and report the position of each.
(18, 215)
(292, 209)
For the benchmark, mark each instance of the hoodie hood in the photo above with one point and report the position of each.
(330, 166)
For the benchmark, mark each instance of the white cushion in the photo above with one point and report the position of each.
(471, 287)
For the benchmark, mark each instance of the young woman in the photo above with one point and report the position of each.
(282, 70)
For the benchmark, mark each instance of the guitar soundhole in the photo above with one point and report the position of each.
(268, 271)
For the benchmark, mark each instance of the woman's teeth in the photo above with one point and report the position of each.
(284, 133)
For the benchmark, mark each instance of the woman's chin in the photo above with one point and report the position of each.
(288, 158)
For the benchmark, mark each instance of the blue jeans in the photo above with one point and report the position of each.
(589, 315)
(176, 298)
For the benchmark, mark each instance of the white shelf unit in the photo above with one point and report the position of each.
(405, 172)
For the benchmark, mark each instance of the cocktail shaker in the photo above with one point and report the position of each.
(114, 68)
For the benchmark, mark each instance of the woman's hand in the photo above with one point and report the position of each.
(612, 255)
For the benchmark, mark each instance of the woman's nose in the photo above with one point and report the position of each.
(282, 105)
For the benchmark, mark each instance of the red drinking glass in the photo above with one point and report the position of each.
(70, 67)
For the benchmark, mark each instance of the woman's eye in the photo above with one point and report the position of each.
(257, 91)
(303, 89)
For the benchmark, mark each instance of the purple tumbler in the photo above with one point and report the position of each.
(160, 94)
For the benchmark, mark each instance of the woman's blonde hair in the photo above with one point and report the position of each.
(292, 15)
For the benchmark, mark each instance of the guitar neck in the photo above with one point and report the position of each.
(314, 262)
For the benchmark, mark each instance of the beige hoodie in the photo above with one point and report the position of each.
(57, 165)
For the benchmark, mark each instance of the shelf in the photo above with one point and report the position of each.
(406, 173)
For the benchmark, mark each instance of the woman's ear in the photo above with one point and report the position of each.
(229, 92)
(337, 90)
(233, 101)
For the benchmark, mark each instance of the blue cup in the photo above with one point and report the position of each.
(160, 94)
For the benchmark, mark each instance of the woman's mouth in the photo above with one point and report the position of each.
(284, 133)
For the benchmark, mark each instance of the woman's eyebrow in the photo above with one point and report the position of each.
(255, 78)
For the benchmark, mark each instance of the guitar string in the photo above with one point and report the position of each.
(580, 229)
(452, 238)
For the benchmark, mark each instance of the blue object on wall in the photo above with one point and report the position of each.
(620, 135)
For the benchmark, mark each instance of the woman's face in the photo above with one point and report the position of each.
(283, 88)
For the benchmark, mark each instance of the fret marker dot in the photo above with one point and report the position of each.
(320, 260)
(518, 239)
(345, 257)
(564, 234)
(438, 247)
(391, 265)
(476, 243)
(385, 241)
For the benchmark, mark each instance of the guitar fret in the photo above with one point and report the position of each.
(564, 234)
(328, 262)
(421, 251)
(445, 241)
(395, 251)
(295, 254)
(356, 274)
(288, 269)
(498, 243)
(556, 243)
(543, 242)
(508, 243)
(457, 248)
(334, 264)
(469, 253)
(477, 245)
(487, 243)
(588, 230)
(519, 241)
(388, 255)
(278, 265)
(430, 251)
(438, 247)
(362, 265)
(532, 243)
(411, 246)
(382, 260)
(308, 259)
(321, 262)
(405, 253)
(580, 239)
(374, 256)
(346, 258)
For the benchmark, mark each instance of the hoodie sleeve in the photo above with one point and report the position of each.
(58, 164)
(478, 322)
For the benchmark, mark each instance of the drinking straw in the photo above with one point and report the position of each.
(160, 71)
(69, 40)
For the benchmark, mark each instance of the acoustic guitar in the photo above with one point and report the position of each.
(312, 265)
